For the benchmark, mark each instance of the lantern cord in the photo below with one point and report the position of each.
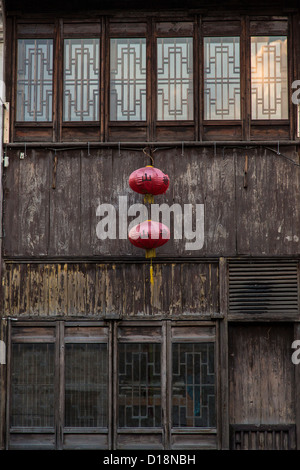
(151, 158)
(151, 274)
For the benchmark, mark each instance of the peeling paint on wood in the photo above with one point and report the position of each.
(110, 291)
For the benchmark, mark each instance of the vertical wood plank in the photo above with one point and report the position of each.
(100, 288)
(164, 383)
(90, 273)
(65, 207)
(60, 383)
(58, 82)
(115, 385)
(201, 79)
(15, 291)
(223, 393)
(33, 204)
(175, 300)
(247, 79)
(106, 77)
(11, 203)
(53, 290)
(111, 373)
(168, 373)
(244, 79)
(8, 385)
(151, 84)
(7, 287)
(104, 85)
(24, 289)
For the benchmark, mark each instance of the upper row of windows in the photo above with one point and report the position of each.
(174, 76)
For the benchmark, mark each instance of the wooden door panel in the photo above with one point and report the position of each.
(261, 385)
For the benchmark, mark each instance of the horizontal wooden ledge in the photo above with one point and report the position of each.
(138, 145)
(10, 259)
(266, 318)
(106, 260)
(194, 318)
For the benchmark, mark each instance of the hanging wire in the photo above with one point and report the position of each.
(143, 150)
(147, 154)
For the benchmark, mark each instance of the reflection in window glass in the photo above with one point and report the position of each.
(222, 78)
(32, 385)
(193, 385)
(128, 79)
(269, 95)
(86, 385)
(139, 385)
(34, 80)
(81, 79)
(175, 79)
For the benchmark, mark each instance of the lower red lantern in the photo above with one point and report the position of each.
(149, 235)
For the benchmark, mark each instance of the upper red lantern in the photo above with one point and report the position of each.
(149, 235)
(149, 180)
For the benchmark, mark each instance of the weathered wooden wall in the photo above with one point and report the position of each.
(110, 290)
(256, 214)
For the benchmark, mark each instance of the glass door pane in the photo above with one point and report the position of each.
(193, 385)
(86, 385)
(32, 386)
(139, 375)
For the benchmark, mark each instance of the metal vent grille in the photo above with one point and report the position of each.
(260, 287)
(263, 437)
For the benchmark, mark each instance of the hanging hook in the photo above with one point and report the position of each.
(151, 158)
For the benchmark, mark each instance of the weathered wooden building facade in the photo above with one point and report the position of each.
(96, 355)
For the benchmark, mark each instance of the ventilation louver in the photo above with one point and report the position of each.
(263, 287)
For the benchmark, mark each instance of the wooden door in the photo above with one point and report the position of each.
(261, 386)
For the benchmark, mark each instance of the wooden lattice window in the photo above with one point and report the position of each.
(269, 85)
(35, 80)
(149, 79)
(222, 78)
(175, 98)
(128, 79)
(81, 79)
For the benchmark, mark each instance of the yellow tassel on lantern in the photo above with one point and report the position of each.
(150, 253)
(149, 198)
(151, 274)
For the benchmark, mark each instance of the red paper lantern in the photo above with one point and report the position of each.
(149, 235)
(149, 181)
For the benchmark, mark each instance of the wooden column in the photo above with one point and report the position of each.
(3, 371)
(223, 396)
